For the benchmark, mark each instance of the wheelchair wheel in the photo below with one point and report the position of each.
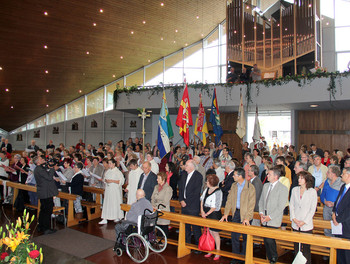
(119, 252)
(157, 240)
(137, 248)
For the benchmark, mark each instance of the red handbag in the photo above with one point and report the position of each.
(206, 241)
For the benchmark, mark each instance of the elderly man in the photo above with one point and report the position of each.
(220, 172)
(298, 167)
(200, 169)
(329, 193)
(341, 214)
(6, 146)
(135, 211)
(272, 202)
(190, 187)
(315, 150)
(46, 190)
(226, 184)
(147, 180)
(319, 171)
(241, 201)
(33, 146)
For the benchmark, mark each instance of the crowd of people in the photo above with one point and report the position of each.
(204, 179)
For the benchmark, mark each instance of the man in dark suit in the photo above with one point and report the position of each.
(315, 150)
(46, 190)
(341, 215)
(7, 146)
(147, 180)
(255, 180)
(272, 202)
(190, 187)
(226, 184)
(33, 146)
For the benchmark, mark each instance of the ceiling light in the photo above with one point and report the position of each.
(87, 52)
(46, 71)
(186, 44)
(11, 106)
(113, 75)
(176, 30)
(45, 13)
(247, 7)
(235, 31)
(47, 90)
(174, 41)
(286, 29)
(47, 105)
(0, 68)
(45, 47)
(202, 35)
(197, 17)
(144, 21)
(132, 32)
(101, 10)
(121, 57)
(314, 105)
(94, 24)
(161, 4)
(161, 38)
(80, 91)
(149, 60)
(7, 90)
(310, 5)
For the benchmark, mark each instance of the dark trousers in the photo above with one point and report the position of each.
(270, 246)
(189, 228)
(45, 213)
(305, 248)
(165, 229)
(235, 236)
(343, 256)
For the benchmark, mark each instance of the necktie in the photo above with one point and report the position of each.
(341, 197)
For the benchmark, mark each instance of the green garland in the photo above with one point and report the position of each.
(302, 80)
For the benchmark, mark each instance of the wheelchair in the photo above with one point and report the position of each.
(138, 239)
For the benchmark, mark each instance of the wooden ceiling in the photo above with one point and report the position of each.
(69, 33)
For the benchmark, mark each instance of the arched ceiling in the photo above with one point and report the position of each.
(80, 43)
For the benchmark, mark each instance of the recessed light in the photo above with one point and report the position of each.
(144, 22)
(121, 57)
(161, 4)
(149, 60)
(47, 90)
(161, 38)
(47, 105)
(0, 68)
(113, 76)
(314, 105)
(94, 24)
(7, 90)
(176, 31)
(197, 17)
(80, 91)
(45, 46)
(11, 106)
(132, 32)
(174, 41)
(45, 13)
(46, 71)
(202, 35)
(87, 52)
(101, 10)
(186, 44)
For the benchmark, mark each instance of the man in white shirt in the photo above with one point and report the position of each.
(154, 165)
(133, 179)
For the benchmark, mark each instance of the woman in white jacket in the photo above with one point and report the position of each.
(302, 207)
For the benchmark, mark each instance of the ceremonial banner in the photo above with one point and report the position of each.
(201, 127)
(241, 122)
(257, 131)
(165, 130)
(184, 117)
(215, 119)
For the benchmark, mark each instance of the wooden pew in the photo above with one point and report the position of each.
(93, 205)
(251, 232)
(71, 220)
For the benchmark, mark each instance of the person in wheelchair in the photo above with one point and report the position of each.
(135, 211)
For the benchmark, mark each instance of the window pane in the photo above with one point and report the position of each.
(135, 79)
(154, 74)
(76, 109)
(211, 75)
(193, 75)
(56, 116)
(174, 75)
(223, 74)
(193, 56)
(342, 8)
(37, 123)
(212, 40)
(94, 102)
(211, 56)
(223, 34)
(223, 54)
(342, 61)
(327, 8)
(342, 39)
(109, 93)
(175, 60)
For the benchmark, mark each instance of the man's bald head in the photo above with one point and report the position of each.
(140, 194)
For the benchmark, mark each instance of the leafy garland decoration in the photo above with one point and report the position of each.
(205, 88)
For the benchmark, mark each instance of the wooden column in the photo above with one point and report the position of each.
(272, 64)
(295, 37)
(242, 34)
(264, 51)
(255, 29)
(249, 250)
(182, 250)
(281, 39)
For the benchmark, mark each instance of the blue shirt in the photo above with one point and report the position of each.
(330, 193)
(318, 176)
(239, 191)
